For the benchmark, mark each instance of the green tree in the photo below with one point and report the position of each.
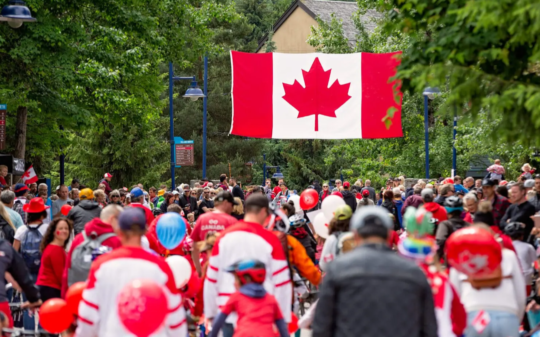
(93, 67)
(486, 52)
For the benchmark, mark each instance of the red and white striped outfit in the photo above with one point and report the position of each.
(450, 313)
(242, 241)
(110, 273)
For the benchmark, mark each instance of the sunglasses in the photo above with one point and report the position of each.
(206, 192)
(115, 196)
(212, 194)
(325, 186)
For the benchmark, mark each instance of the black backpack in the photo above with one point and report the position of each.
(6, 231)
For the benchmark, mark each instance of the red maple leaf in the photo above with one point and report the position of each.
(316, 98)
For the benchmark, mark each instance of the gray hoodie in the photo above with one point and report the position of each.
(84, 212)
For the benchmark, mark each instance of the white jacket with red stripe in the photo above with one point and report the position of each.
(110, 273)
(246, 240)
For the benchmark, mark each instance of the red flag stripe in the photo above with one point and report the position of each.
(378, 95)
(252, 104)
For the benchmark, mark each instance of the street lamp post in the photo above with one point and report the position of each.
(277, 175)
(454, 155)
(15, 13)
(429, 93)
(193, 93)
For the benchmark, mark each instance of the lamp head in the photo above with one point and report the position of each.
(194, 92)
(431, 92)
(15, 13)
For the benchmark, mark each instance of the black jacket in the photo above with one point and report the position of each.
(535, 201)
(183, 201)
(440, 200)
(237, 192)
(163, 207)
(372, 194)
(7, 232)
(520, 213)
(444, 229)
(350, 199)
(13, 263)
(84, 212)
(392, 209)
(373, 292)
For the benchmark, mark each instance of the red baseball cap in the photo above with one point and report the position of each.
(107, 175)
(365, 193)
(347, 184)
(338, 194)
(35, 205)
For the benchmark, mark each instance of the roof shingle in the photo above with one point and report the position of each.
(344, 11)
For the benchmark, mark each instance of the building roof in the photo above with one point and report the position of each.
(343, 10)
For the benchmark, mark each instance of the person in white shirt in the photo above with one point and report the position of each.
(525, 251)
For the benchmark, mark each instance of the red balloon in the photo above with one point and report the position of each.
(65, 209)
(309, 199)
(55, 316)
(473, 251)
(74, 297)
(293, 326)
(142, 307)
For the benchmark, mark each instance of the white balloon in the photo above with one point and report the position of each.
(329, 205)
(321, 225)
(296, 200)
(181, 270)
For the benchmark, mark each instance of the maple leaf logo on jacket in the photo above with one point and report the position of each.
(316, 98)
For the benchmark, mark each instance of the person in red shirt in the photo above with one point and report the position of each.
(53, 258)
(156, 246)
(277, 189)
(3, 174)
(257, 310)
(137, 200)
(105, 224)
(438, 212)
(212, 222)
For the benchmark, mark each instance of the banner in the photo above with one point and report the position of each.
(315, 96)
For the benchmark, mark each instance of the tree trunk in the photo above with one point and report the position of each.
(20, 132)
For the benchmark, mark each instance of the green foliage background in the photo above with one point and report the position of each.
(94, 77)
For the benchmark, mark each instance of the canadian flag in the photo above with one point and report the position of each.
(315, 96)
(30, 176)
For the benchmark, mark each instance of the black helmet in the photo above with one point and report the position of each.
(453, 203)
(513, 229)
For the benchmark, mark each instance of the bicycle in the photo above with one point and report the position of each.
(306, 297)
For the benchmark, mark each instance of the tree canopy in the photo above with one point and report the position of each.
(485, 53)
(89, 79)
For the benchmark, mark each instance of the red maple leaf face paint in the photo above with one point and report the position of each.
(57, 232)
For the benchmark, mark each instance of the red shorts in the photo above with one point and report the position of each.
(4, 307)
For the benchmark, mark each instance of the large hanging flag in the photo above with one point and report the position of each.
(315, 96)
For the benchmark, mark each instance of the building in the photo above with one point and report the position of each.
(292, 30)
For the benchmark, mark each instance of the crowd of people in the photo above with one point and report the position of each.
(385, 266)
